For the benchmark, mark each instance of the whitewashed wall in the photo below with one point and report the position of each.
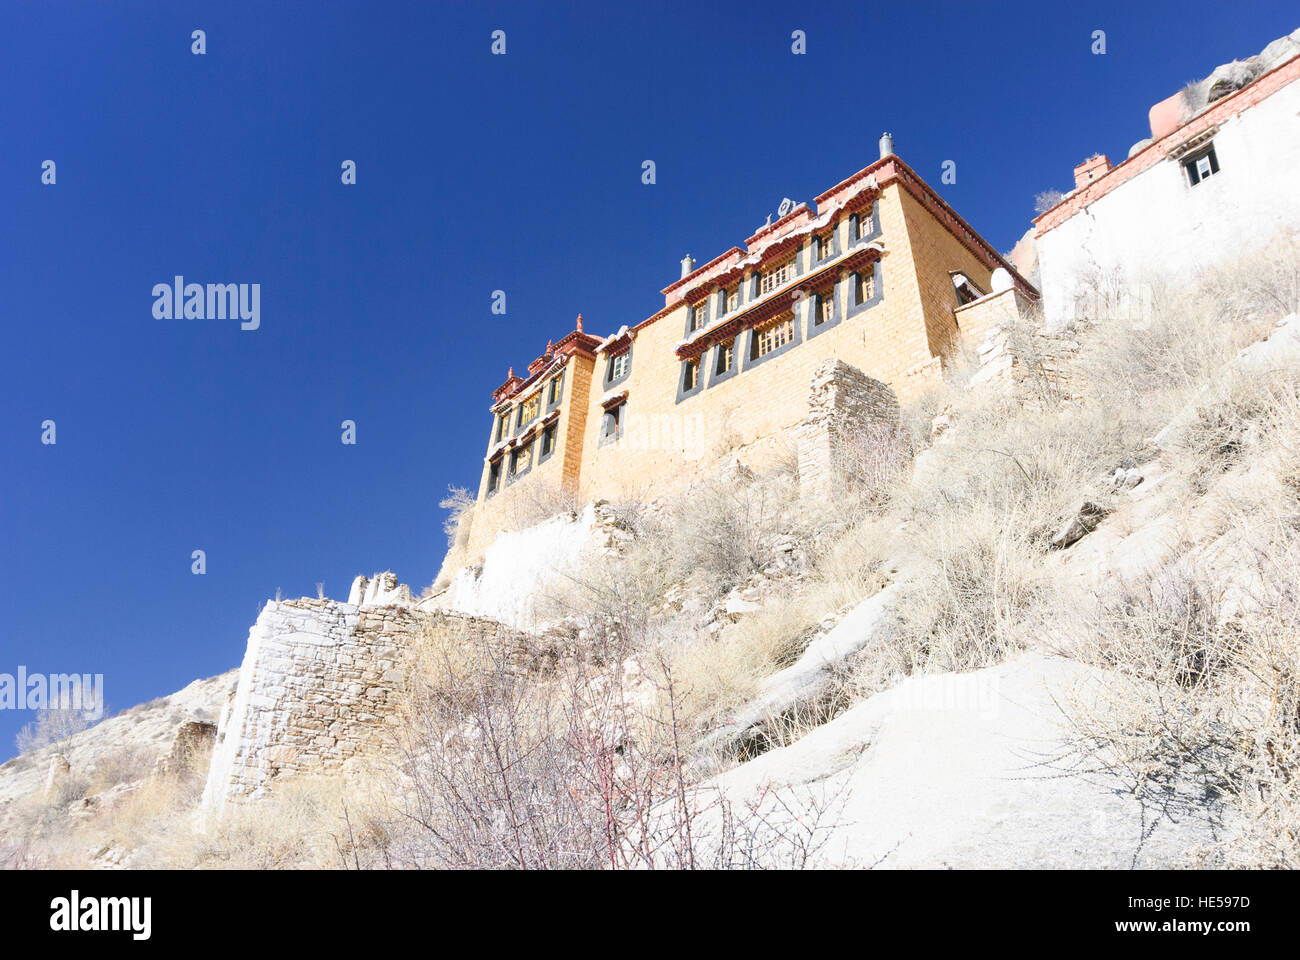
(1158, 223)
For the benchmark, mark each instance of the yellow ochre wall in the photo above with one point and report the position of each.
(667, 443)
(900, 340)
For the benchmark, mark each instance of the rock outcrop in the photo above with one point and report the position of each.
(964, 771)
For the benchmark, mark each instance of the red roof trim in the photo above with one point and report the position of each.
(575, 343)
(770, 227)
(700, 270)
(774, 306)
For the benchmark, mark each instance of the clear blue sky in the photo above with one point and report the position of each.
(475, 172)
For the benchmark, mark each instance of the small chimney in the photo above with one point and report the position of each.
(886, 145)
(688, 265)
(1091, 169)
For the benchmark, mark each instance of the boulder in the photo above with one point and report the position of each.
(59, 771)
(1082, 523)
(804, 686)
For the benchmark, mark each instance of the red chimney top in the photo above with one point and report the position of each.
(1091, 169)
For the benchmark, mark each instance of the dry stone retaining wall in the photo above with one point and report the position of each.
(318, 687)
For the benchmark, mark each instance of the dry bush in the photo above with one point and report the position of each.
(1047, 199)
(1145, 369)
(1203, 657)
(582, 767)
(718, 532)
(54, 726)
(459, 504)
(1199, 698)
(533, 500)
(306, 823)
(123, 765)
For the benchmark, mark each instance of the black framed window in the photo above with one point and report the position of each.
(864, 286)
(726, 359)
(1204, 163)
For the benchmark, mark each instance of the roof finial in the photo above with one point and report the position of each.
(580, 323)
(550, 347)
(510, 374)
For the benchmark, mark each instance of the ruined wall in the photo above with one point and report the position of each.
(317, 687)
(1033, 363)
(848, 413)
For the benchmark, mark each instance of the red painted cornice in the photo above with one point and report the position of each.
(775, 305)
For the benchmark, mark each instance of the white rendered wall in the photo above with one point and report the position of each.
(1158, 223)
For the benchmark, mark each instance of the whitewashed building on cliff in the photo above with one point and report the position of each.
(1216, 178)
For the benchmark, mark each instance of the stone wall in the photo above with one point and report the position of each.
(318, 685)
(849, 413)
(1033, 363)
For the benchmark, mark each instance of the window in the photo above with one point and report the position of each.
(557, 389)
(825, 245)
(725, 359)
(548, 441)
(529, 409)
(772, 336)
(691, 375)
(864, 287)
(733, 298)
(863, 221)
(502, 422)
(967, 292)
(700, 315)
(775, 277)
(494, 476)
(613, 421)
(618, 366)
(519, 460)
(1201, 165)
(824, 308)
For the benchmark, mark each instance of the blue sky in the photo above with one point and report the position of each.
(474, 173)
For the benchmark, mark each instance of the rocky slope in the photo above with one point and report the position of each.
(131, 743)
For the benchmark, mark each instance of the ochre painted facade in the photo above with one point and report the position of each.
(881, 246)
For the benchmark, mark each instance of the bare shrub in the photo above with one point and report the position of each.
(720, 530)
(54, 726)
(873, 464)
(1046, 200)
(582, 767)
(459, 504)
(123, 765)
(1202, 698)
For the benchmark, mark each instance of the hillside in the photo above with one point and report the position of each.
(1050, 621)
